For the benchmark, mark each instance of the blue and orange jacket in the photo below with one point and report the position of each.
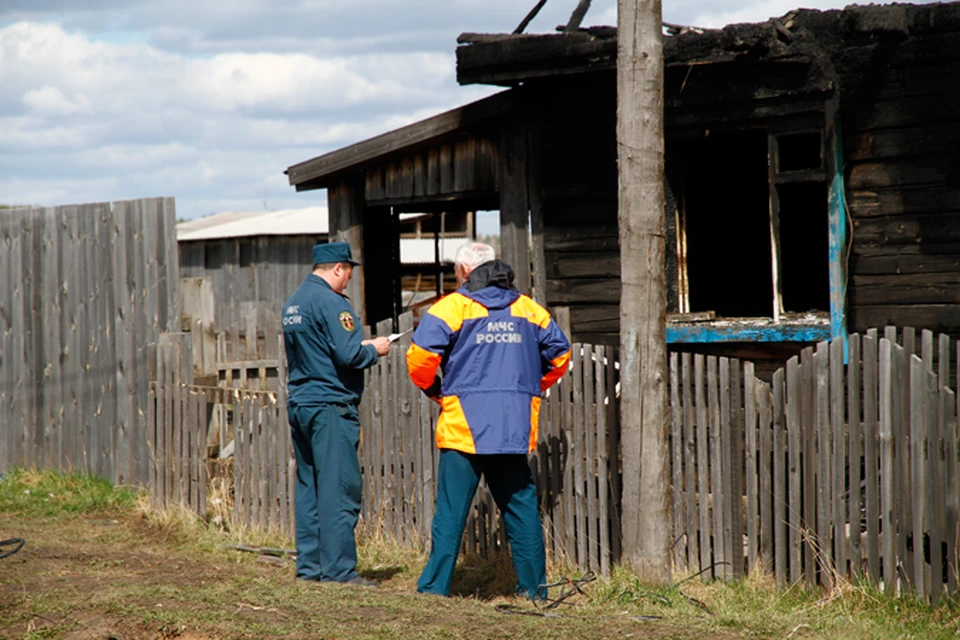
(498, 350)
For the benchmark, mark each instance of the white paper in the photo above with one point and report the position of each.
(393, 337)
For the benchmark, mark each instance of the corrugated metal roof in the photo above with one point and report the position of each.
(420, 250)
(309, 221)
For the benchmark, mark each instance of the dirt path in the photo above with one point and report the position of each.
(113, 576)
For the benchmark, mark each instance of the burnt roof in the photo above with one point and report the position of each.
(803, 34)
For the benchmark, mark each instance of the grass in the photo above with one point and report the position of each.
(100, 563)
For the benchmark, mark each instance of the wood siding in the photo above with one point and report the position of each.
(272, 268)
(901, 119)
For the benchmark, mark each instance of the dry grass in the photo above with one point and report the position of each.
(123, 569)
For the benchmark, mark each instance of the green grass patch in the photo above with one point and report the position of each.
(48, 493)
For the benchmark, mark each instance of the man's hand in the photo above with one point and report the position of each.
(382, 345)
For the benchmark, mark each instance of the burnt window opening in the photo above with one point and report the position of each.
(752, 224)
(724, 216)
(804, 247)
(799, 151)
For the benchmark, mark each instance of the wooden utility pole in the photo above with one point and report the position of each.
(643, 340)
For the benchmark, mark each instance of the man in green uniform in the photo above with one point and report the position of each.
(325, 360)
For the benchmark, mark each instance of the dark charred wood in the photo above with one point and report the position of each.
(904, 201)
(939, 318)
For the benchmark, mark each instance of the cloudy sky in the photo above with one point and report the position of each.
(210, 100)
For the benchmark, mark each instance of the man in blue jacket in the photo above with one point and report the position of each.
(498, 351)
(325, 360)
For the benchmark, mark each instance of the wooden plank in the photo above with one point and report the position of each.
(948, 475)
(589, 455)
(239, 477)
(780, 489)
(123, 328)
(601, 364)
(751, 433)
(676, 464)
(577, 451)
(259, 459)
(877, 443)
(613, 420)
(926, 348)
(727, 468)
(943, 360)
(31, 402)
(795, 425)
(7, 354)
(824, 443)
(934, 481)
(151, 436)
(808, 421)
(689, 457)
(768, 510)
(376, 440)
(535, 200)
(918, 429)
(888, 462)
(17, 237)
(567, 497)
(736, 468)
(838, 473)
(392, 411)
(284, 452)
(903, 488)
(425, 468)
(854, 456)
(720, 558)
(514, 202)
(413, 502)
(71, 340)
(158, 484)
(703, 469)
(48, 338)
(191, 425)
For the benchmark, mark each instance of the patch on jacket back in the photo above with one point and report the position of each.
(499, 332)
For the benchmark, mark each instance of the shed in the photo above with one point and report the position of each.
(261, 257)
(812, 180)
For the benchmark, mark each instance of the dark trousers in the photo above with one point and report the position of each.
(328, 493)
(515, 493)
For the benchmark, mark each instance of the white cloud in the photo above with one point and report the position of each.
(130, 120)
(50, 101)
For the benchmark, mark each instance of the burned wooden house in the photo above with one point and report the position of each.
(812, 175)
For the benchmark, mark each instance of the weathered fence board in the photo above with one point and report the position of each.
(69, 364)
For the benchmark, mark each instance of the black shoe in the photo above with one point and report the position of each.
(360, 581)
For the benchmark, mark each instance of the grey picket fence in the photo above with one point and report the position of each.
(843, 468)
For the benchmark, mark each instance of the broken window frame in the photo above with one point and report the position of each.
(777, 328)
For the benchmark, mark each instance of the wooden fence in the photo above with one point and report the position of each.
(84, 288)
(832, 471)
(231, 435)
(845, 466)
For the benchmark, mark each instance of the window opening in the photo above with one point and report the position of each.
(804, 247)
(246, 253)
(799, 151)
(725, 220)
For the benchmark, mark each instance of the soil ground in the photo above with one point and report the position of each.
(114, 575)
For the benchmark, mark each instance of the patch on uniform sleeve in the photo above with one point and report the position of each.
(346, 321)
